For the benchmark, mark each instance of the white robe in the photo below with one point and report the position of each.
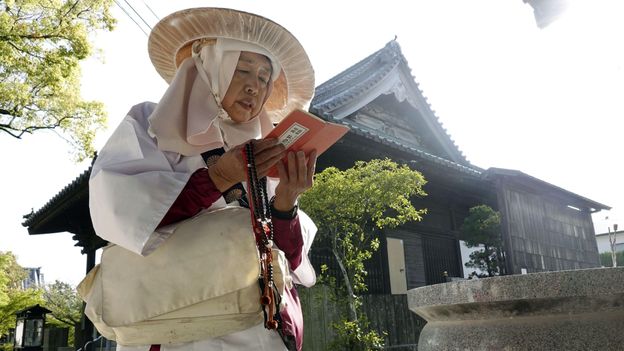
(132, 186)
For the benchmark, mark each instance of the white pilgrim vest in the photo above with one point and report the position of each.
(132, 186)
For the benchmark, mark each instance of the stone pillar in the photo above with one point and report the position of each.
(566, 310)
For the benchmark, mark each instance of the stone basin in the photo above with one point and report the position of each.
(565, 310)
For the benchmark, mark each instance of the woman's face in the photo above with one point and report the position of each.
(247, 91)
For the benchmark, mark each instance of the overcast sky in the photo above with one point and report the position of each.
(547, 102)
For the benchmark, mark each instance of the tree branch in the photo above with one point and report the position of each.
(68, 322)
(347, 282)
(71, 9)
(8, 38)
(6, 129)
(24, 51)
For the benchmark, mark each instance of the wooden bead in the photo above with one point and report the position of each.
(272, 324)
(265, 300)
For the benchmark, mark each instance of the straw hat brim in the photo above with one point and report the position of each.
(170, 40)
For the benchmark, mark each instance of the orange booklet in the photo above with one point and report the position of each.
(304, 131)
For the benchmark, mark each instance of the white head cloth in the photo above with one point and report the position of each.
(189, 118)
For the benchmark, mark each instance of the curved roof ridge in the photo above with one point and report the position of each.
(332, 90)
(438, 123)
(349, 72)
(339, 95)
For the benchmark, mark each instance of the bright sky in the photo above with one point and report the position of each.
(547, 102)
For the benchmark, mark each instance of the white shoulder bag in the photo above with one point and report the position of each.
(201, 283)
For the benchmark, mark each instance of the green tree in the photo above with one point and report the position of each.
(66, 306)
(482, 227)
(349, 208)
(605, 259)
(41, 44)
(12, 297)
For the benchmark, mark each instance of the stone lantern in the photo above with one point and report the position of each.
(29, 328)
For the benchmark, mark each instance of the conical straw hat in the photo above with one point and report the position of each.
(171, 39)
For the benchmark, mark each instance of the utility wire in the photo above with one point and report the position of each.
(152, 11)
(133, 20)
(135, 11)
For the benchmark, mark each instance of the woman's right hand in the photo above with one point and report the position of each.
(230, 169)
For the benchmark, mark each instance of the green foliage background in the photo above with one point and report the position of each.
(605, 259)
(66, 306)
(60, 298)
(41, 45)
(12, 297)
(482, 227)
(350, 207)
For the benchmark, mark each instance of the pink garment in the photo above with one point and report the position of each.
(292, 316)
(200, 193)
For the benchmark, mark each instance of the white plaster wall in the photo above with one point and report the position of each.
(603, 242)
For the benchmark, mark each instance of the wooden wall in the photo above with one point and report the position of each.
(543, 233)
(427, 256)
(414, 257)
(431, 246)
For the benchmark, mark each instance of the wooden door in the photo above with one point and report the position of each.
(396, 266)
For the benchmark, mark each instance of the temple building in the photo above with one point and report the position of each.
(544, 227)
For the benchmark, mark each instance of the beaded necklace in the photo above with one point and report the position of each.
(263, 231)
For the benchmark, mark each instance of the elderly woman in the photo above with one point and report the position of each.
(231, 76)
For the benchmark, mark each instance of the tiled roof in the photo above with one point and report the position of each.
(65, 198)
(357, 79)
(367, 79)
(367, 133)
(494, 172)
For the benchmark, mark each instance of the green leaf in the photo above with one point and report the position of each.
(349, 208)
(482, 227)
(12, 297)
(41, 45)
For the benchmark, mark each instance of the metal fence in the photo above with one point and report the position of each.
(386, 313)
(375, 279)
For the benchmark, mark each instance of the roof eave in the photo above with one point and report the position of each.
(594, 206)
(73, 192)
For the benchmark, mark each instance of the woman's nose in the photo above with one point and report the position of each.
(251, 87)
(251, 90)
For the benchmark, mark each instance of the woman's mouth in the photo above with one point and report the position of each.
(246, 105)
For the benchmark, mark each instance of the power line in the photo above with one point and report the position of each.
(135, 11)
(152, 11)
(133, 20)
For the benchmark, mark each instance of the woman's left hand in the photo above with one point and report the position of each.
(295, 178)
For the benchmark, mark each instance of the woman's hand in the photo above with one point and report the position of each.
(230, 169)
(295, 178)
